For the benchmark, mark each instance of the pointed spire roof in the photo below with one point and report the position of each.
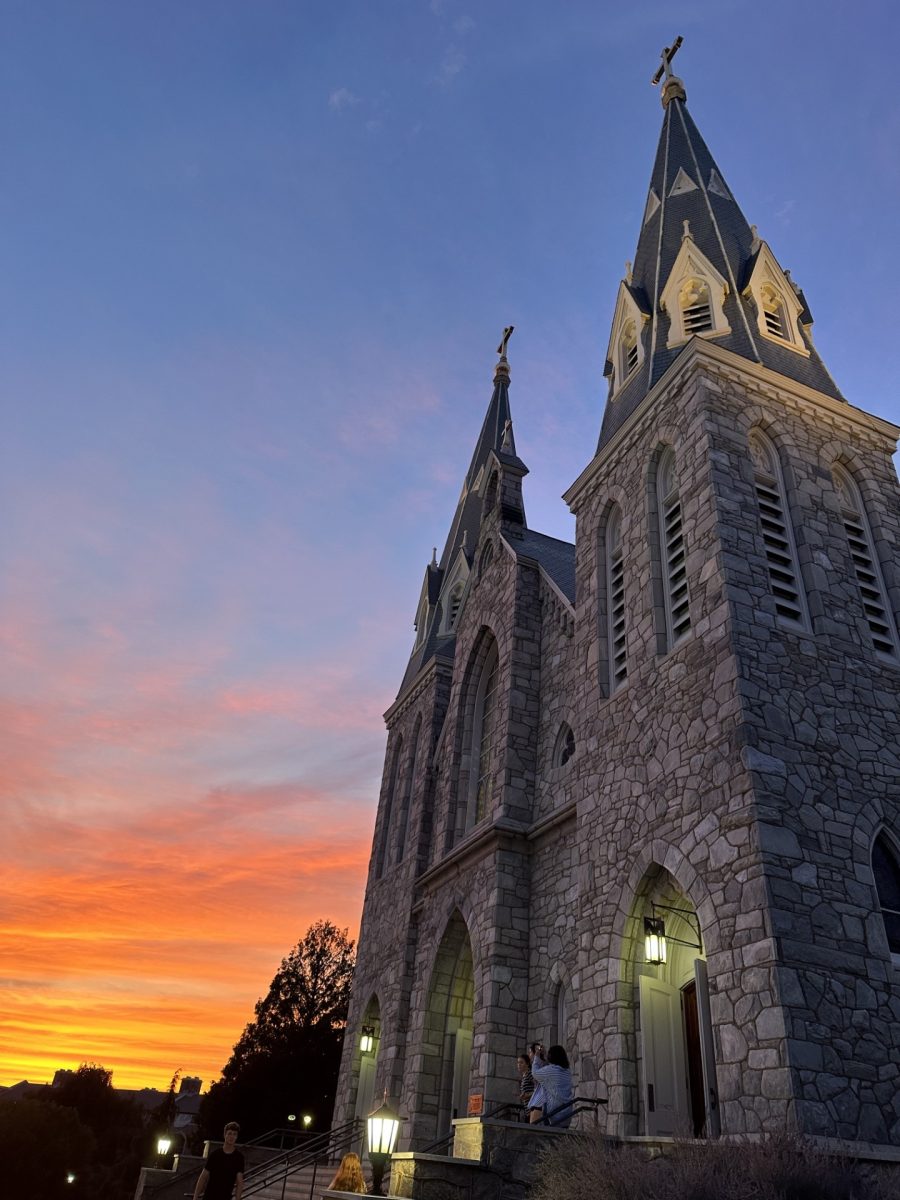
(496, 437)
(686, 185)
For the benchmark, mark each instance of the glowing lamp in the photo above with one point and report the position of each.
(367, 1039)
(292, 1116)
(70, 1178)
(307, 1120)
(382, 1128)
(654, 940)
(163, 1145)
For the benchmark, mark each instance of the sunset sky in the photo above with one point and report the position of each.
(256, 258)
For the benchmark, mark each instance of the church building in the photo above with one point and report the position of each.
(641, 794)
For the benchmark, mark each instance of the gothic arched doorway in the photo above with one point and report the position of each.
(675, 1046)
(447, 1061)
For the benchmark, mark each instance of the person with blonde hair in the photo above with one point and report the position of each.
(349, 1176)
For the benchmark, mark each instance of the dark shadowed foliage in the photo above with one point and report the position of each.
(287, 1058)
(775, 1168)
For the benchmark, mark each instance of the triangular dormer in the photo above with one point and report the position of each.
(778, 308)
(694, 295)
(453, 593)
(626, 352)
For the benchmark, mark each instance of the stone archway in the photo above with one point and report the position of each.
(446, 1072)
(368, 1043)
(673, 1045)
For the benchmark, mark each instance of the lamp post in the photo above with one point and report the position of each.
(381, 1133)
(163, 1146)
(307, 1120)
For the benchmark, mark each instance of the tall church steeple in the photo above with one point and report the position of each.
(448, 575)
(700, 270)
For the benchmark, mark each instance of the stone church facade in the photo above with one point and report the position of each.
(691, 716)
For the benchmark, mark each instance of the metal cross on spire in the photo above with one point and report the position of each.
(504, 341)
(667, 55)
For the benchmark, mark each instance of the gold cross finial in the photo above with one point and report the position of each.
(667, 55)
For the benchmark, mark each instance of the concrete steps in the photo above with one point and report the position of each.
(299, 1185)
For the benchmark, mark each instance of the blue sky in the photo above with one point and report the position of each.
(255, 262)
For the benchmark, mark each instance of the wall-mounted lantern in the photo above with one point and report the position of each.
(654, 941)
(367, 1039)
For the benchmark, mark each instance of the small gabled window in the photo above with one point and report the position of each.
(615, 601)
(672, 551)
(872, 591)
(886, 869)
(778, 537)
(565, 746)
(774, 316)
(628, 349)
(696, 309)
(455, 604)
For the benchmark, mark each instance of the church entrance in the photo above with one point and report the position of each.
(369, 1042)
(450, 1031)
(678, 1082)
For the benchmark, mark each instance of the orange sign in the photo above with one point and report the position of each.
(476, 1104)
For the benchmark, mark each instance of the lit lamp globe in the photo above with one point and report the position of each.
(382, 1128)
(163, 1145)
(307, 1120)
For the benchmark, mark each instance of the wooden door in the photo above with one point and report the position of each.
(662, 1046)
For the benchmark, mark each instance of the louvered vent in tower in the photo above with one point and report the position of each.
(672, 535)
(777, 537)
(615, 593)
(865, 565)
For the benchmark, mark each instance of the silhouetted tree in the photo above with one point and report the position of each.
(44, 1145)
(120, 1136)
(287, 1058)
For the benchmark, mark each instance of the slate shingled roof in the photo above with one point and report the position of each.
(721, 232)
(554, 555)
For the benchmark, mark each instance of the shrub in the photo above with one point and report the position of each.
(776, 1168)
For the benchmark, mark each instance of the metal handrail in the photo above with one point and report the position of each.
(588, 1104)
(317, 1146)
(281, 1168)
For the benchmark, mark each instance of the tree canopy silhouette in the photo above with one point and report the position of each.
(287, 1059)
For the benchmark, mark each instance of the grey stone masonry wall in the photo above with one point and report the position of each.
(735, 780)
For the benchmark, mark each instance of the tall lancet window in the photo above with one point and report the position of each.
(381, 857)
(408, 784)
(886, 869)
(696, 308)
(778, 536)
(672, 552)
(484, 737)
(865, 565)
(615, 600)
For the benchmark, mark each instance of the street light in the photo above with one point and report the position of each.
(307, 1120)
(70, 1177)
(292, 1116)
(381, 1133)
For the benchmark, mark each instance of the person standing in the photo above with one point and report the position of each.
(526, 1081)
(224, 1170)
(554, 1078)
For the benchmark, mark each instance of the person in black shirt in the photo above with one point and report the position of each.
(224, 1170)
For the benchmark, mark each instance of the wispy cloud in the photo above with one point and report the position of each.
(453, 63)
(342, 98)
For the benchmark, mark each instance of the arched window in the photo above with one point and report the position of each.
(628, 349)
(393, 779)
(487, 557)
(774, 315)
(565, 746)
(778, 536)
(455, 603)
(615, 600)
(696, 309)
(872, 591)
(408, 784)
(672, 552)
(886, 869)
(484, 734)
